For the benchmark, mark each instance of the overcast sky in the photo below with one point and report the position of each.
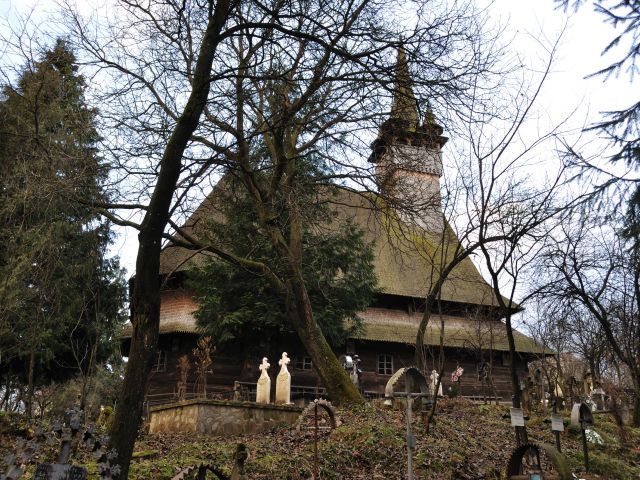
(567, 89)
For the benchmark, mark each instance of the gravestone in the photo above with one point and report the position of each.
(283, 381)
(72, 433)
(598, 397)
(433, 382)
(581, 415)
(557, 423)
(263, 389)
(57, 471)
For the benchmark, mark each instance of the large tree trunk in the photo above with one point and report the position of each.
(636, 404)
(333, 376)
(145, 298)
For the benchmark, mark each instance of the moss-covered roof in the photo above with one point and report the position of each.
(406, 259)
(459, 332)
(386, 325)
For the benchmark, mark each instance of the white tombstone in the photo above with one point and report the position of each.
(263, 389)
(433, 382)
(283, 382)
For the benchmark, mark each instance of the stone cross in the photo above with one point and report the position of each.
(263, 389)
(283, 383)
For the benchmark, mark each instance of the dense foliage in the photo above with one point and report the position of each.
(240, 309)
(61, 298)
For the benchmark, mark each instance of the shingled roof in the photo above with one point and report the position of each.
(405, 259)
(385, 325)
(379, 325)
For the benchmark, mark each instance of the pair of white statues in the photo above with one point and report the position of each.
(283, 382)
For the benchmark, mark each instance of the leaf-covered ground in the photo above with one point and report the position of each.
(468, 441)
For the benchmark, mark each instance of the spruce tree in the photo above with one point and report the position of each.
(59, 293)
(240, 309)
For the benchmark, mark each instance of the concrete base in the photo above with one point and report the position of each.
(220, 417)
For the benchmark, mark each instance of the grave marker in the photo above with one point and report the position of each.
(263, 389)
(557, 424)
(581, 415)
(517, 417)
(283, 381)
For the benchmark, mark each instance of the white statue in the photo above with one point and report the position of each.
(283, 382)
(263, 389)
(434, 382)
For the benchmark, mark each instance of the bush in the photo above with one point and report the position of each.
(12, 423)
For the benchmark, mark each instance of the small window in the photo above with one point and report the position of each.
(304, 363)
(385, 364)
(161, 362)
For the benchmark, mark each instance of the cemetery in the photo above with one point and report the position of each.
(270, 437)
(365, 247)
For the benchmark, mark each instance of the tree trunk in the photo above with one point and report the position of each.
(521, 432)
(86, 379)
(635, 420)
(434, 404)
(145, 298)
(30, 380)
(333, 376)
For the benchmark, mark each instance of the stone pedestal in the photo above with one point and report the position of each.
(220, 417)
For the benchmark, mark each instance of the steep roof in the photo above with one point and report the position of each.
(379, 325)
(406, 259)
(385, 325)
(404, 105)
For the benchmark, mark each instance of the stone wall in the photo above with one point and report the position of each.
(219, 417)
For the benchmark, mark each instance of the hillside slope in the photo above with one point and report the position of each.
(468, 441)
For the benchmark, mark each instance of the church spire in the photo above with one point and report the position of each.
(404, 105)
(403, 126)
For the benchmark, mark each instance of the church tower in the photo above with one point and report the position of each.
(407, 155)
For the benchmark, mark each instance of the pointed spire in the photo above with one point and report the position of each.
(429, 117)
(404, 106)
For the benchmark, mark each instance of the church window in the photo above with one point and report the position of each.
(161, 362)
(304, 363)
(385, 364)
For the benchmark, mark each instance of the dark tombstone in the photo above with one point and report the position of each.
(42, 472)
(312, 409)
(71, 434)
(581, 415)
(414, 380)
(57, 471)
(537, 462)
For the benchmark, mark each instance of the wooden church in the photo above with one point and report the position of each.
(408, 165)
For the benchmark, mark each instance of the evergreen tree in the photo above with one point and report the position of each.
(239, 309)
(57, 290)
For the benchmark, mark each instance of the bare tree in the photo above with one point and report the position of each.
(485, 201)
(592, 271)
(192, 90)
